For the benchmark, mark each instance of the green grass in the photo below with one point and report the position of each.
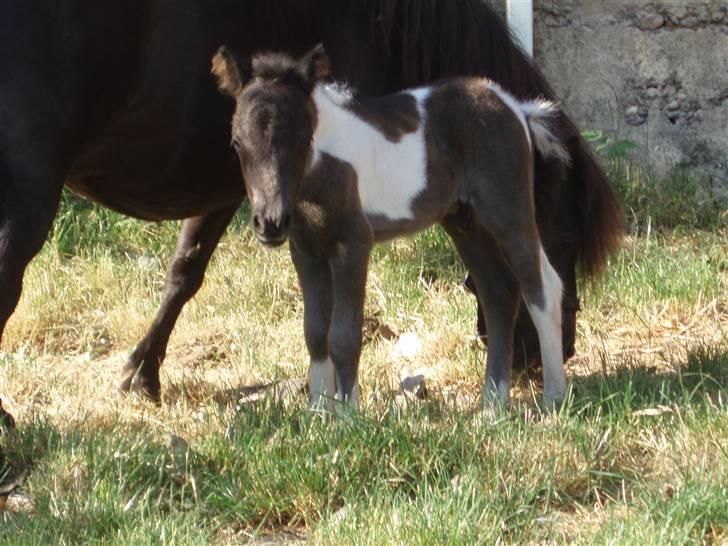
(412, 474)
(637, 455)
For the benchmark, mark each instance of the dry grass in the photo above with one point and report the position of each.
(80, 317)
(78, 320)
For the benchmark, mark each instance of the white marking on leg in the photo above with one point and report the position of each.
(548, 324)
(321, 384)
(389, 174)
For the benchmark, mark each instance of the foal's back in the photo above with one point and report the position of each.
(416, 153)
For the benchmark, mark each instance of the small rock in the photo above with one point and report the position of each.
(650, 21)
(668, 491)
(690, 22)
(652, 93)
(408, 346)
(632, 110)
(673, 105)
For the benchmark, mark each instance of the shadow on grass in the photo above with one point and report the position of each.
(698, 381)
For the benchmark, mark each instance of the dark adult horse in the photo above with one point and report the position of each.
(115, 99)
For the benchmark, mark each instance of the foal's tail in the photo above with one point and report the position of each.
(540, 115)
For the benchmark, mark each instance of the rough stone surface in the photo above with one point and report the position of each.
(655, 73)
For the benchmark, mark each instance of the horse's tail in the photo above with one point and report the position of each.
(540, 116)
(437, 39)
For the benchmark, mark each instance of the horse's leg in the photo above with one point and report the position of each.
(498, 294)
(314, 275)
(37, 144)
(197, 241)
(349, 272)
(29, 196)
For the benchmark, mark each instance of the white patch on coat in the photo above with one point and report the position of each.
(547, 319)
(390, 174)
(322, 385)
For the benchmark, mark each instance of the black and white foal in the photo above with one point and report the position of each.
(338, 172)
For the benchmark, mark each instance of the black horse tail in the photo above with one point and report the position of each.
(433, 39)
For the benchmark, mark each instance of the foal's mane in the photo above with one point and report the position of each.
(271, 66)
(440, 38)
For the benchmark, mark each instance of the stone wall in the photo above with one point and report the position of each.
(655, 73)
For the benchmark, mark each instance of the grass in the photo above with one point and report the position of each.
(638, 454)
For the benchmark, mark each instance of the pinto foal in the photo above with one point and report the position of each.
(337, 172)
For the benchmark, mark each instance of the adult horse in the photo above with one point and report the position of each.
(115, 99)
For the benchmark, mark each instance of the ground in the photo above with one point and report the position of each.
(637, 454)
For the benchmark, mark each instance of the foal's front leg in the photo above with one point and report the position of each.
(314, 276)
(349, 263)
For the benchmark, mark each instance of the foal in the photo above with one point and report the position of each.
(338, 172)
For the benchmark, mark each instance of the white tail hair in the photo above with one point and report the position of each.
(539, 114)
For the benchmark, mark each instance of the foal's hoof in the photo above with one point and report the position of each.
(553, 401)
(136, 384)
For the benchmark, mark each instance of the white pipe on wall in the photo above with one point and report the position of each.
(520, 20)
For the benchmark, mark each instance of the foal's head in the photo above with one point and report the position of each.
(272, 129)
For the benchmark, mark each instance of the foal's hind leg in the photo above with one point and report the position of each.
(498, 295)
(197, 241)
(539, 282)
(543, 300)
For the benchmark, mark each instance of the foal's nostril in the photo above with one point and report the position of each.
(286, 222)
(257, 224)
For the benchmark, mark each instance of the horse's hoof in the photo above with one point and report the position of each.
(137, 385)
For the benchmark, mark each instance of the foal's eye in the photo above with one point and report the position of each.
(235, 144)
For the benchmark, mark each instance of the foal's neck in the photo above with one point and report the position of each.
(331, 101)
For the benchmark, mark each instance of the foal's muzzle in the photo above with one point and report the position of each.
(272, 232)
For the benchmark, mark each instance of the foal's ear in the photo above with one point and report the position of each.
(232, 71)
(315, 65)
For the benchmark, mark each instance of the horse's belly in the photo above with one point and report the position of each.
(156, 179)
